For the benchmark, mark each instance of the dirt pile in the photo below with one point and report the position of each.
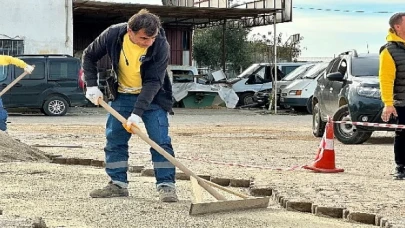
(12, 150)
(17, 221)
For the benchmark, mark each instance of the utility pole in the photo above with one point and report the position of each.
(223, 46)
(274, 89)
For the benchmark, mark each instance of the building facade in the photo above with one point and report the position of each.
(36, 27)
(51, 27)
(68, 26)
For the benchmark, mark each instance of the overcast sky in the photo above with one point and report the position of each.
(327, 33)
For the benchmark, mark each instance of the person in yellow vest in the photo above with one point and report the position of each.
(4, 61)
(139, 53)
(392, 86)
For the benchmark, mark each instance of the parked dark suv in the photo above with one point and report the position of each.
(349, 91)
(53, 87)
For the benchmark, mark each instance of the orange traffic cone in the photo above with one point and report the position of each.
(325, 159)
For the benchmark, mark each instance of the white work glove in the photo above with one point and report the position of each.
(93, 94)
(133, 121)
(29, 69)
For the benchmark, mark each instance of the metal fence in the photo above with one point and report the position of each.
(11, 47)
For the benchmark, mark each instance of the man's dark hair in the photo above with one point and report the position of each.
(396, 19)
(144, 20)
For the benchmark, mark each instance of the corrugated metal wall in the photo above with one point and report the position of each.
(180, 40)
(174, 37)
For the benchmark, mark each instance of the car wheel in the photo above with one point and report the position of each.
(318, 126)
(348, 133)
(55, 106)
(246, 99)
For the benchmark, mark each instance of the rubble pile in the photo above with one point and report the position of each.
(12, 150)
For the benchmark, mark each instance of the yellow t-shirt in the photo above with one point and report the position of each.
(129, 76)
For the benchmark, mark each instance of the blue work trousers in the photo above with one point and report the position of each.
(116, 150)
(3, 117)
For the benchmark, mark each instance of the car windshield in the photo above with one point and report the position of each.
(316, 70)
(249, 70)
(297, 72)
(365, 67)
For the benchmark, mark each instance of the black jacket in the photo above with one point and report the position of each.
(397, 52)
(156, 86)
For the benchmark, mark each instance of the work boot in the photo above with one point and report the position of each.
(167, 194)
(399, 173)
(111, 190)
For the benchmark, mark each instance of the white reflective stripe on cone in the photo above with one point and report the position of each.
(329, 144)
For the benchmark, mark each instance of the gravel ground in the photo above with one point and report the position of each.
(59, 194)
(231, 136)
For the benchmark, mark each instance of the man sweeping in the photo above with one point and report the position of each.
(139, 53)
(4, 61)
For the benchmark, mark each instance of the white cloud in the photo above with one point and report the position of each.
(329, 34)
(338, 23)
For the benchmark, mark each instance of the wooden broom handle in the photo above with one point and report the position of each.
(161, 151)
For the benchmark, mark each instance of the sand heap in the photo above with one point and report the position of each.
(13, 150)
(18, 221)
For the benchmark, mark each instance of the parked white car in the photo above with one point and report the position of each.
(258, 77)
(298, 94)
(289, 78)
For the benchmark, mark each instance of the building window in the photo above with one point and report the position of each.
(186, 40)
(11, 47)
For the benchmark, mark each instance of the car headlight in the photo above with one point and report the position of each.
(369, 92)
(295, 92)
